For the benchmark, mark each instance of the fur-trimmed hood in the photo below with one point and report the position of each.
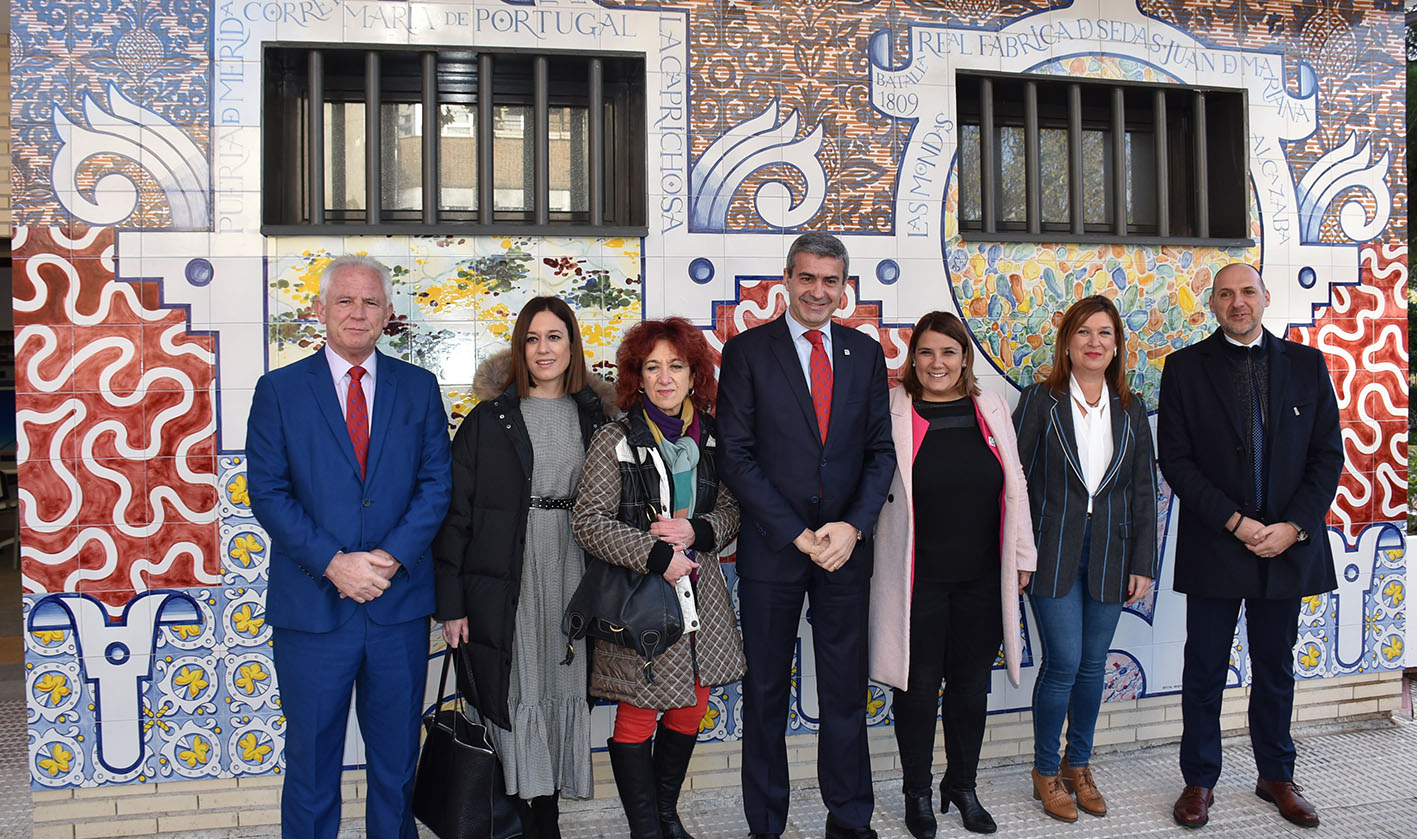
(492, 373)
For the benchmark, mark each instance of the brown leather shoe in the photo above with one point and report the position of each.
(1292, 806)
(1193, 807)
(1078, 781)
(1056, 801)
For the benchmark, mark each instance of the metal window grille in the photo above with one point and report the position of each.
(1081, 160)
(373, 141)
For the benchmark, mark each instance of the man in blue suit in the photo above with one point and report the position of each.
(349, 473)
(1247, 433)
(805, 434)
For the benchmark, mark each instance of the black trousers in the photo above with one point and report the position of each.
(1272, 627)
(955, 633)
(770, 612)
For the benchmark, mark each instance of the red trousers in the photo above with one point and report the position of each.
(634, 724)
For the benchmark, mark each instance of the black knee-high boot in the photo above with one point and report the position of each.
(528, 819)
(546, 814)
(672, 751)
(633, 765)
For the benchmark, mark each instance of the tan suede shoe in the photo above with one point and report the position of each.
(1056, 801)
(1078, 781)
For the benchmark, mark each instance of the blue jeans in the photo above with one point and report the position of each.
(1075, 631)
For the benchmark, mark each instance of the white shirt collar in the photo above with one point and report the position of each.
(1255, 343)
(797, 330)
(339, 367)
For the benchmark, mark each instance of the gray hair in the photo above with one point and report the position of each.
(350, 260)
(820, 244)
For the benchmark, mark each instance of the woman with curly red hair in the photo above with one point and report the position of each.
(650, 500)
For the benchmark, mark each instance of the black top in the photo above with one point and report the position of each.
(957, 484)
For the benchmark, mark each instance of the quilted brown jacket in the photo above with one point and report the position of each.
(610, 521)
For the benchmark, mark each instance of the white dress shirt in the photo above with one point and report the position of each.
(803, 345)
(1093, 429)
(339, 369)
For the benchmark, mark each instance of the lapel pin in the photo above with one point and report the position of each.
(845, 351)
(1296, 410)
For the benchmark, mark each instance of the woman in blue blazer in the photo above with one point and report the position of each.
(1086, 449)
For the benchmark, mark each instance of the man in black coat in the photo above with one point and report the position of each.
(1248, 437)
(805, 434)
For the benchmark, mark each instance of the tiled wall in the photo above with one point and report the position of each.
(147, 303)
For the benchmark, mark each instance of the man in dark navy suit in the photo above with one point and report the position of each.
(350, 474)
(1247, 435)
(805, 432)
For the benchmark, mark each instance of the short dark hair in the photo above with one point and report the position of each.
(688, 340)
(821, 244)
(1116, 373)
(577, 375)
(949, 325)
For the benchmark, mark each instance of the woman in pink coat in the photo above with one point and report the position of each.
(954, 544)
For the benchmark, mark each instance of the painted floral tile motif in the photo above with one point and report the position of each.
(456, 298)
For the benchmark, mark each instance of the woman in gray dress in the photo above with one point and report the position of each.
(507, 564)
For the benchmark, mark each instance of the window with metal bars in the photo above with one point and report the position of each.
(374, 140)
(1083, 160)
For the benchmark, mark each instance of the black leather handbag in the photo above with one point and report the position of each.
(617, 605)
(459, 792)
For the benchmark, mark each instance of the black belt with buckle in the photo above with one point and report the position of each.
(543, 503)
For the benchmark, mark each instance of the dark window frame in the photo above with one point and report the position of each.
(1188, 180)
(293, 168)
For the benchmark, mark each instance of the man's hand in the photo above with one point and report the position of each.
(1137, 588)
(679, 565)
(1248, 531)
(358, 575)
(840, 539)
(389, 567)
(1274, 539)
(455, 631)
(677, 532)
(807, 543)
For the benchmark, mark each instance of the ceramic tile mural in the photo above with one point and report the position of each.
(147, 302)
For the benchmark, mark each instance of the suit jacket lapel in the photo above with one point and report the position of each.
(843, 372)
(786, 354)
(1278, 386)
(1062, 411)
(386, 385)
(322, 384)
(1217, 369)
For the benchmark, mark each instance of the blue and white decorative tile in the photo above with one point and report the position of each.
(256, 744)
(233, 498)
(192, 750)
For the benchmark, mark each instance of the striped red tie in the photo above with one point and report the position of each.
(356, 417)
(821, 369)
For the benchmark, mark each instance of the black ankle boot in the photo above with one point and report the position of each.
(672, 751)
(976, 819)
(920, 813)
(633, 765)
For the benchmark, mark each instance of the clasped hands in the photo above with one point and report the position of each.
(679, 533)
(362, 575)
(1264, 540)
(830, 545)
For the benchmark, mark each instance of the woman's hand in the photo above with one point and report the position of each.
(677, 532)
(1138, 589)
(679, 565)
(1023, 578)
(455, 631)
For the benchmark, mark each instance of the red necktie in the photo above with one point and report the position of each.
(821, 369)
(356, 417)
